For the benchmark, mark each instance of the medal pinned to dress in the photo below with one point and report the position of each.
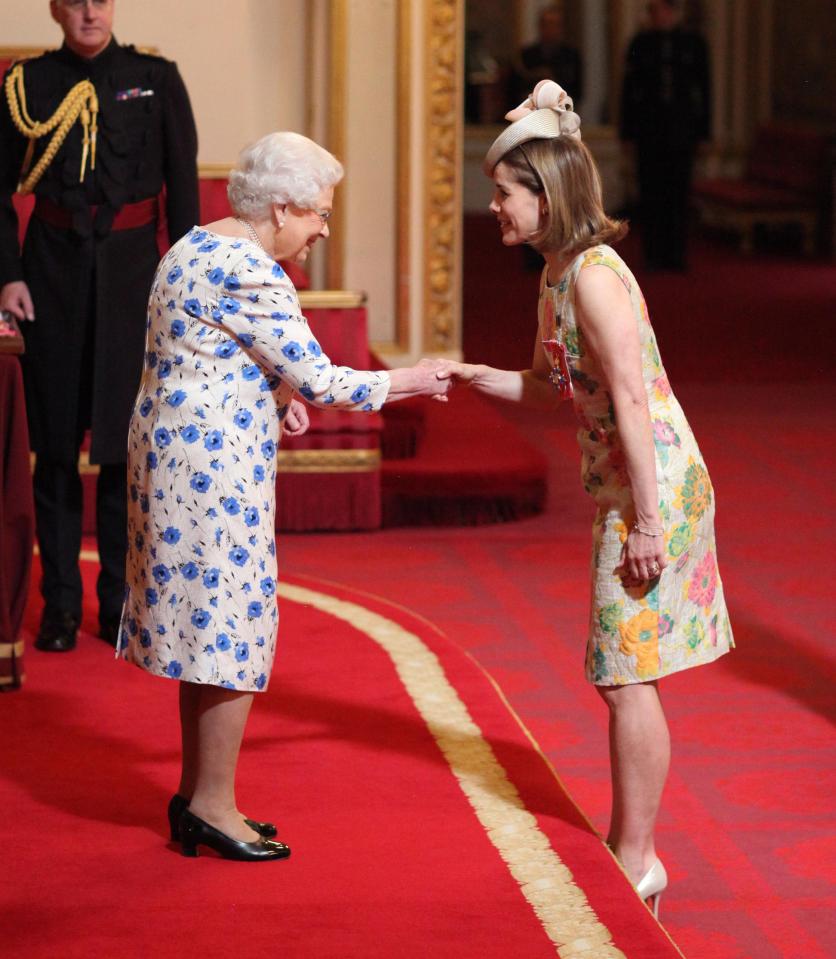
(560, 376)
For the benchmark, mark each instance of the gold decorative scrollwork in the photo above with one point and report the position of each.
(442, 187)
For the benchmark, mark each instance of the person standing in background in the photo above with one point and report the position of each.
(665, 114)
(550, 58)
(82, 280)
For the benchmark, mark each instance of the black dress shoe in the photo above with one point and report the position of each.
(195, 832)
(58, 630)
(178, 803)
(109, 629)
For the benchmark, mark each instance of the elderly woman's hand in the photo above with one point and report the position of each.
(297, 420)
(426, 378)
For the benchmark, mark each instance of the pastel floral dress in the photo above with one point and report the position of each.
(679, 619)
(227, 347)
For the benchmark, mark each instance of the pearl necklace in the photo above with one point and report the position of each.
(251, 231)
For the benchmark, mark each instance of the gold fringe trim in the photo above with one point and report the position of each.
(289, 461)
(11, 650)
(548, 886)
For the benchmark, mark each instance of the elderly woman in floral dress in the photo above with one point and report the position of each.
(228, 353)
(657, 599)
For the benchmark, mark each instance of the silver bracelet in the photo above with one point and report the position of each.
(649, 530)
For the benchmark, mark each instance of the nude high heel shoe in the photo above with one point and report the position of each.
(652, 884)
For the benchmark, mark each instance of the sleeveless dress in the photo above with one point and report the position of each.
(227, 348)
(679, 619)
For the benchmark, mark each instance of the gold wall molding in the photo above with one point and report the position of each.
(337, 73)
(442, 174)
(331, 299)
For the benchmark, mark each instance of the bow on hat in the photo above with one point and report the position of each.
(548, 95)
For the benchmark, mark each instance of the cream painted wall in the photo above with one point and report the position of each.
(370, 160)
(243, 61)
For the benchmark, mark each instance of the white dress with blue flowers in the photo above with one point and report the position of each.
(227, 347)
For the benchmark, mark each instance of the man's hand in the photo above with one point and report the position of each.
(16, 299)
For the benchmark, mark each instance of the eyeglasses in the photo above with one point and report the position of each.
(324, 215)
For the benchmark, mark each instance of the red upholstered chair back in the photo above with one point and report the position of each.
(789, 156)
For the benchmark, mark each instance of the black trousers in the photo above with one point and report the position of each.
(58, 509)
(664, 175)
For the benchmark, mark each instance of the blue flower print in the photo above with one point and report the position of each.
(161, 574)
(232, 283)
(231, 505)
(251, 372)
(215, 276)
(239, 555)
(228, 305)
(360, 393)
(143, 503)
(139, 541)
(176, 398)
(255, 609)
(146, 407)
(222, 642)
(144, 638)
(174, 275)
(208, 246)
(190, 433)
(190, 571)
(214, 440)
(151, 460)
(247, 339)
(258, 473)
(251, 516)
(197, 236)
(151, 359)
(151, 597)
(314, 349)
(242, 419)
(306, 391)
(227, 349)
(293, 352)
(174, 669)
(242, 652)
(268, 586)
(261, 681)
(193, 308)
(178, 328)
(162, 437)
(171, 535)
(200, 482)
(268, 449)
(211, 578)
(201, 618)
(278, 271)
(164, 369)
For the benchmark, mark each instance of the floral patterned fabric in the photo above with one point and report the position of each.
(226, 349)
(679, 619)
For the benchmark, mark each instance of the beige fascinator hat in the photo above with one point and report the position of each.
(544, 115)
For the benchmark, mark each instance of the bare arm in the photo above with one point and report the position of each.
(528, 387)
(606, 318)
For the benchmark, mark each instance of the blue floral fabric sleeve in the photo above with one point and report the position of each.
(254, 301)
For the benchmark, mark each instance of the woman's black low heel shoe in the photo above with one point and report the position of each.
(179, 803)
(195, 832)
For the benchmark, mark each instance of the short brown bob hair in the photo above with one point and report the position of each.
(564, 171)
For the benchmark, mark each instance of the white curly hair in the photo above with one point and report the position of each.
(281, 167)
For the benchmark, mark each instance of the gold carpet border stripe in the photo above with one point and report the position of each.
(548, 886)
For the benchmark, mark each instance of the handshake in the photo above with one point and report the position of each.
(432, 378)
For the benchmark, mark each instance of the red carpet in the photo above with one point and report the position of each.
(421, 819)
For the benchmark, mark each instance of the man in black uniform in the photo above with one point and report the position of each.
(665, 112)
(122, 131)
(550, 58)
